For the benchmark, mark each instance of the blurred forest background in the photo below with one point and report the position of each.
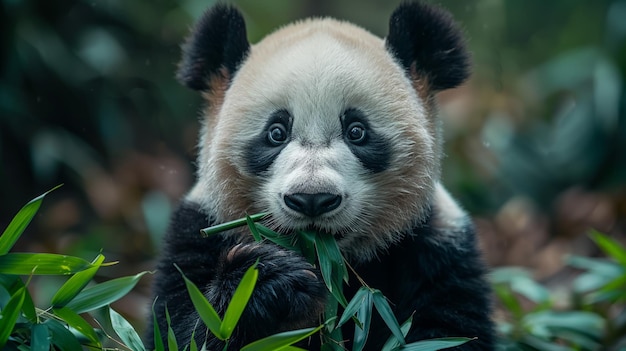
(536, 140)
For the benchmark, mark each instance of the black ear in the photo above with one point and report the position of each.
(428, 37)
(217, 42)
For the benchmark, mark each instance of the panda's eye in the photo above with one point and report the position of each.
(277, 134)
(355, 132)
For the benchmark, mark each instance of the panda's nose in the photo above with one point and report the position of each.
(312, 205)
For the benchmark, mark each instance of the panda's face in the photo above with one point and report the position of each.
(322, 129)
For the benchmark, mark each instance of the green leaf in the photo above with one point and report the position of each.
(332, 266)
(364, 315)
(172, 344)
(383, 308)
(206, 232)
(9, 314)
(392, 343)
(508, 299)
(434, 344)
(206, 311)
(329, 245)
(158, 342)
(12, 284)
(531, 290)
(76, 284)
(305, 241)
(104, 293)
(330, 316)
(39, 337)
(125, 331)
(579, 321)
(239, 301)
(278, 239)
(361, 296)
(599, 266)
(610, 247)
(77, 322)
(193, 346)
(281, 340)
(508, 274)
(61, 336)
(587, 282)
(41, 264)
(253, 229)
(20, 222)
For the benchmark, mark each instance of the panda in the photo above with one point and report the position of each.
(327, 127)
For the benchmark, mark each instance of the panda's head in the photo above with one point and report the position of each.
(322, 124)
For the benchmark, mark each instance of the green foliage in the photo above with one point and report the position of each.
(223, 328)
(60, 325)
(596, 319)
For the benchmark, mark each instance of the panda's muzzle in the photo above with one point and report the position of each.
(312, 205)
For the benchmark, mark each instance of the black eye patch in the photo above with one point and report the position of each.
(270, 141)
(371, 148)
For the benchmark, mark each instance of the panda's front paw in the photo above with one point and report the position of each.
(289, 293)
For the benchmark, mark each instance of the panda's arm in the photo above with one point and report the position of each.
(288, 295)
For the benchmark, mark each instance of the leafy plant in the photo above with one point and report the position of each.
(59, 325)
(597, 317)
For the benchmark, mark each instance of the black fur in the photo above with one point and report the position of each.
(428, 37)
(218, 42)
(374, 151)
(441, 284)
(260, 152)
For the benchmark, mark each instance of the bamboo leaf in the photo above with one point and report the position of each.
(206, 311)
(9, 315)
(41, 264)
(364, 315)
(305, 241)
(434, 344)
(280, 341)
(278, 239)
(329, 245)
(393, 343)
(104, 293)
(158, 342)
(125, 331)
(509, 299)
(239, 301)
(61, 336)
(77, 322)
(385, 311)
(172, 344)
(353, 306)
(20, 222)
(610, 247)
(193, 346)
(12, 284)
(326, 266)
(253, 229)
(76, 284)
(39, 337)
